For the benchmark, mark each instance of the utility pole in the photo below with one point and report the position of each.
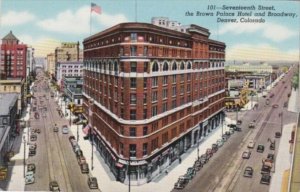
(24, 160)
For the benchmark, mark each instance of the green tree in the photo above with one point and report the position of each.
(295, 81)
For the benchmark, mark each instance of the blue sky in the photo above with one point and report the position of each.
(45, 23)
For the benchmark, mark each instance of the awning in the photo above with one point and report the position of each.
(86, 129)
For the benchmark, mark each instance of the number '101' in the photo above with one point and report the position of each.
(211, 7)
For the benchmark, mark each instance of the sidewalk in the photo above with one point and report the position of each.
(284, 157)
(108, 183)
(16, 181)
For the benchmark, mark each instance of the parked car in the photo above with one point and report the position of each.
(224, 137)
(53, 186)
(32, 152)
(251, 144)
(204, 159)
(209, 153)
(81, 160)
(227, 133)
(92, 183)
(260, 148)
(231, 130)
(31, 167)
(220, 143)
(29, 178)
(239, 122)
(65, 129)
(277, 135)
(231, 125)
(266, 167)
(190, 173)
(248, 172)
(214, 148)
(272, 145)
(84, 168)
(72, 138)
(181, 182)
(237, 128)
(251, 125)
(265, 179)
(246, 154)
(198, 165)
(270, 157)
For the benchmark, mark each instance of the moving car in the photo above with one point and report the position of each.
(277, 135)
(29, 178)
(65, 129)
(239, 122)
(55, 129)
(265, 179)
(251, 144)
(275, 106)
(246, 154)
(53, 186)
(92, 183)
(181, 182)
(84, 168)
(260, 148)
(251, 125)
(248, 172)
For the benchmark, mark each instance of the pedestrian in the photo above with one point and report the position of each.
(179, 159)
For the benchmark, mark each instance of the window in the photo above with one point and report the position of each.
(133, 98)
(188, 88)
(173, 104)
(165, 80)
(145, 113)
(165, 107)
(188, 76)
(133, 66)
(145, 51)
(122, 130)
(154, 111)
(174, 132)
(189, 66)
(145, 98)
(155, 67)
(132, 150)
(182, 66)
(121, 51)
(132, 114)
(165, 67)
(122, 113)
(181, 100)
(174, 66)
(154, 96)
(145, 82)
(145, 147)
(165, 93)
(133, 36)
(174, 78)
(132, 82)
(165, 137)
(145, 130)
(174, 91)
(182, 89)
(133, 50)
(182, 77)
(121, 149)
(154, 81)
(132, 131)
(146, 67)
(154, 144)
(14, 88)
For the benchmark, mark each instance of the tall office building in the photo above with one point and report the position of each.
(13, 58)
(150, 94)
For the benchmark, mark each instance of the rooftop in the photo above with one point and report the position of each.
(7, 100)
(10, 36)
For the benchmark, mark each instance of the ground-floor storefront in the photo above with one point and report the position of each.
(143, 171)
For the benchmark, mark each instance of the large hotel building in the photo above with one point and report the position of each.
(150, 94)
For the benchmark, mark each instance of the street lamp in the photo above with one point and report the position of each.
(198, 143)
(281, 121)
(77, 133)
(24, 160)
(92, 158)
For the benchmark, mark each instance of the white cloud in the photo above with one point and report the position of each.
(12, 18)
(262, 52)
(272, 31)
(78, 22)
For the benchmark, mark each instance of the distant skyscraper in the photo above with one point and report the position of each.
(13, 58)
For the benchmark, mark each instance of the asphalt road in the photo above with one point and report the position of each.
(55, 159)
(224, 171)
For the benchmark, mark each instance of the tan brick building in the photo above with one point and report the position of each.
(150, 94)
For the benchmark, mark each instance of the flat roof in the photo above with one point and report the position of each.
(7, 100)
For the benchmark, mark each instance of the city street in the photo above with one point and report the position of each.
(225, 170)
(55, 159)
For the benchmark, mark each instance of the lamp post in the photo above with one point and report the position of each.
(92, 158)
(281, 121)
(24, 160)
(129, 184)
(198, 150)
(77, 133)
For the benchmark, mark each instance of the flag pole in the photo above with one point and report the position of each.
(91, 19)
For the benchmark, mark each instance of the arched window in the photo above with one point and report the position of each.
(189, 66)
(110, 66)
(155, 67)
(104, 66)
(174, 66)
(100, 66)
(182, 66)
(165, 67)
(116, 66)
